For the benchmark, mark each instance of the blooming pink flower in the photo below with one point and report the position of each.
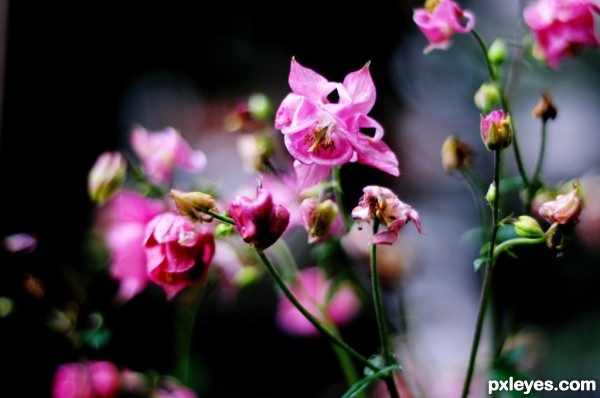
(312, 289)
(259, 221)
(565, 209)
(561, 28)
(93, 379)
(178, 251)
(378, 203)
(320, 133)
(439, 20)
(161, 152)
(123, 220)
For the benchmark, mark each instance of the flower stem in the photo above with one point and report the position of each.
(487, 279)
(477, 194)
(504, 101)
(535, 179)
(326, 332)
(339, 196)
(379, 314)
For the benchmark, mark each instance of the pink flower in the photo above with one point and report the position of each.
(259, 221)
(378, 203)
(312, 289)
(565, 210)
(123, 220)
(161, 152)
(320, 133)
(94, 379)
(561, 28)
(106, 176)
(440, 20)
(178, 251)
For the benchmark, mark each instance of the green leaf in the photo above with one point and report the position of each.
(479, 262)
(364, 383)
(511, 184)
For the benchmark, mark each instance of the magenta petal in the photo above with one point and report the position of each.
(306, 82)
(376, 154)
(309, 175)
(296, 114)
(385, 237)
(361, 88)
(299, 147)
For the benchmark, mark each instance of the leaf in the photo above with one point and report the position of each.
(511, 183)
(364, 383)
(479, 261)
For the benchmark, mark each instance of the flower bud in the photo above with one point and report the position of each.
(106, 176)
(497, 52)
(545, 108)
(193, 205)
(255, 151)
(318, 217)
(455, 154)
(496, 130)
(260, 106)
(491, 194)
(528, 227)
(486, 97)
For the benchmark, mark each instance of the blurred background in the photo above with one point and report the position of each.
(77, 77)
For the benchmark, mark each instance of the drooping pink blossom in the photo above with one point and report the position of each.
(312, 289)
(178, 252)
(321, 133)
(565, 209)
(259, 221)
(92, 379)
(561, 28)
(439, 20)
(123, 221)
(163, 151)
(381, 204)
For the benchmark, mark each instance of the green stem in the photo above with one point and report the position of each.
(317, 323)
(487, 279)
(339, 196)
(379, 314)
(535, 180)
(347, 366)
(186, 318)
(484, 50)
(516, 241)
(477, 194)
(220, 217)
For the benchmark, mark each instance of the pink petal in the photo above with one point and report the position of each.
(361, 88)
(309, 175)
(299, 147)
(376, 154)
(308, 83)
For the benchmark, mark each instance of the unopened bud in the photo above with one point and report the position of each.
(497, 52)
(318, 217)
(486, 97)
(455, 154)
(545, 108)
(528, 227)
(193, 205)
(491, 194)
(260, 106)
(496, 130)
(106, 176)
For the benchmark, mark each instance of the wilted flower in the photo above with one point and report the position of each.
(439, 20)
(106, 176)
(496, 130)
(193, 205)
(381, 204)
(92, 379)
(321, 133)
(565, 209)
(545, 108)
(162, 151)
(561, 28)
(312, 289)
(123, 221)
(455, 154)
(259, 221)
(179, 252)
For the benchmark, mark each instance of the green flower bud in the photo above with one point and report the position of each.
(528, 227)
(260, 106)
(497, 52)
(486, 97)
(491, 194)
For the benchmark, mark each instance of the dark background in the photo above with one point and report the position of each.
(67, 68)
